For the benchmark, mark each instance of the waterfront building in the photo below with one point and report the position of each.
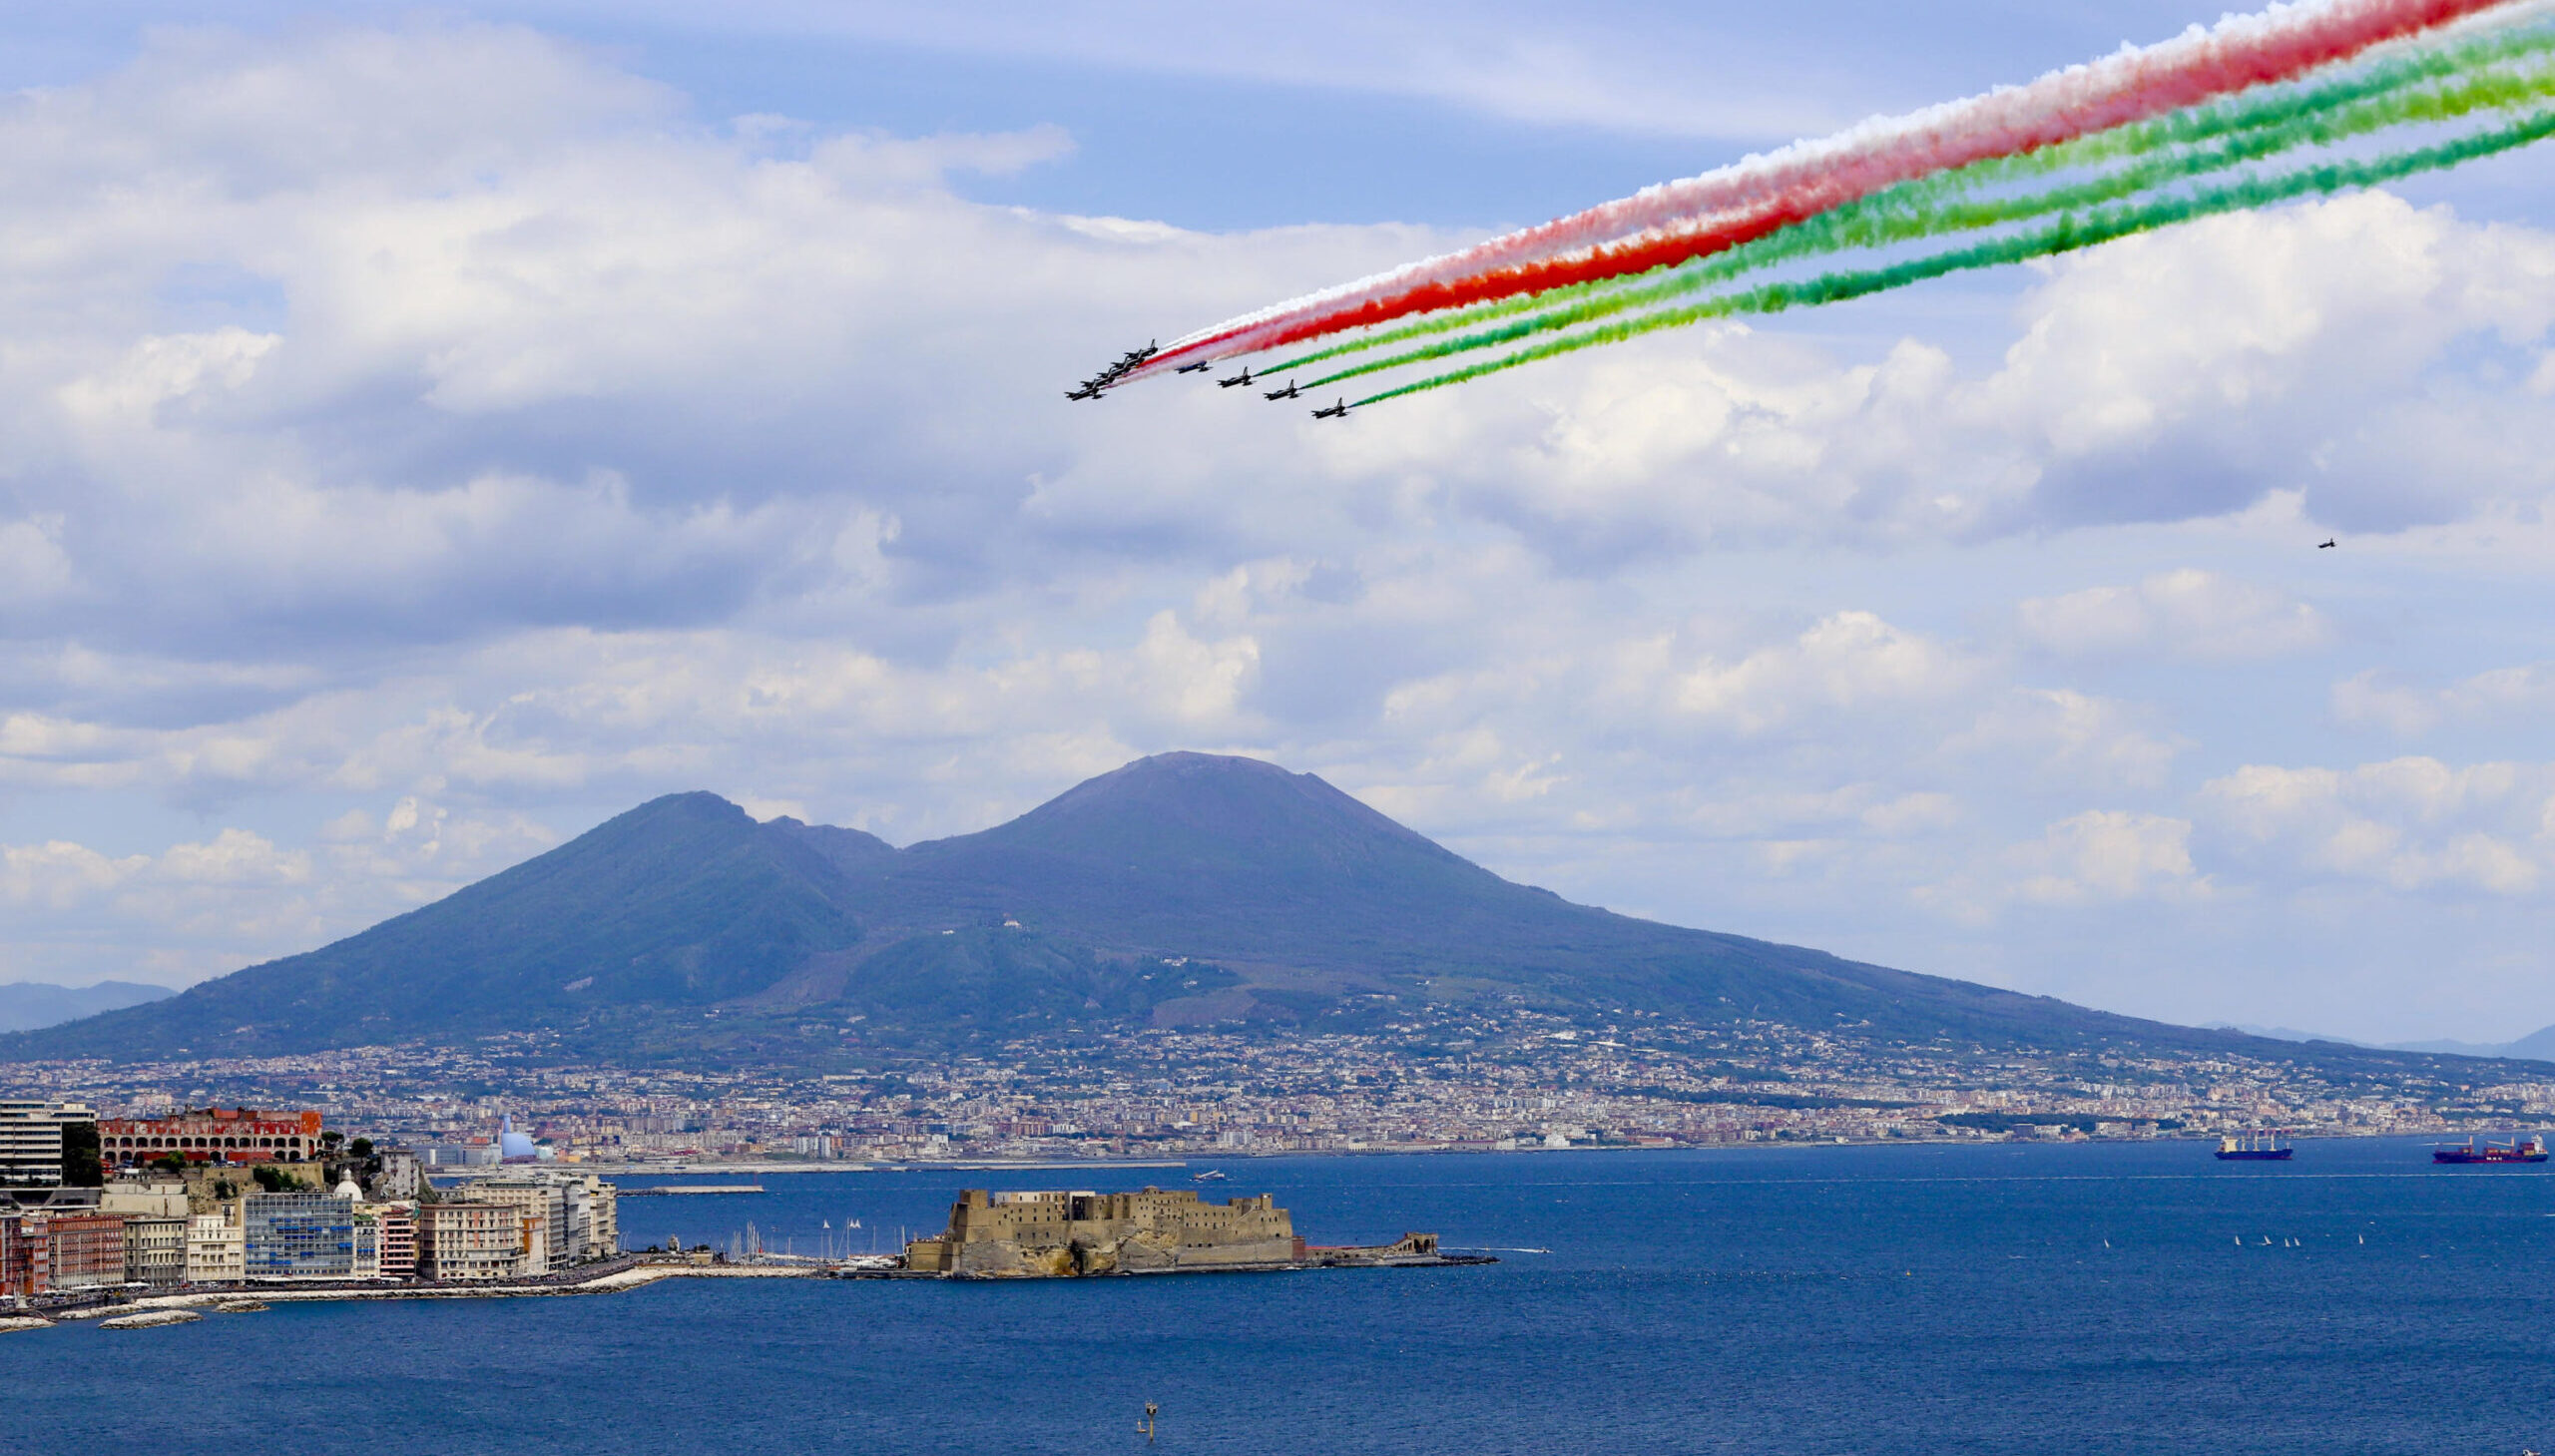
(154, 1248)
(594, 1214)
(578, 1212)
(544, 1206)
(212, 1135)
(306, 1236)
(396, 1225)
(31, 1139)
(473, 1240)
(26, 1258)
(85, 1249)
(1054, 1233)
(217, 1250)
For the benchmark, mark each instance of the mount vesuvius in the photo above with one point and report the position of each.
(1181, 889)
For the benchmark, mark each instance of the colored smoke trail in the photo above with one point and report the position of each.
(2423, 88)
(1668, 224)
(2065, 235)
(1920, 211)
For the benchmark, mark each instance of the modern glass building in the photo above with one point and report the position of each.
(306, 1236)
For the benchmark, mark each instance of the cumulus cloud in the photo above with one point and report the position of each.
(390, 485)
(2186, 613)
(2407, 824)
(2373, 700)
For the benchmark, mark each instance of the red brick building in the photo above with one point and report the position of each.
(212, 1135)
(84, 1250)
(26, 1256)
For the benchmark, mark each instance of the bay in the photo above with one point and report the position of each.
(1987, 1298)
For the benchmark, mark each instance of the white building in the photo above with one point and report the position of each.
(217, 1250)
(580, 1213)
(31, 1139)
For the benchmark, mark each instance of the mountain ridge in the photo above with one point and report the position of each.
(1180, 889)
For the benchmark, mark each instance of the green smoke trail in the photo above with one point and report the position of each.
(1910, 222)
(2065, 235)
(2430, 86)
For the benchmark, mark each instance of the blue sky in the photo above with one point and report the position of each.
(424, 433)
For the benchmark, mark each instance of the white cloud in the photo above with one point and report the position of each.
(1851, 662)
(2407, 824)
(2187, 613)
(508, 463)
(2070, 737)
(2372, 700)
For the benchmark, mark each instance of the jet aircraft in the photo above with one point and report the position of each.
(1198, 368)
(1242, 378)
(1336, 411)
(1089, 390)
(1287, 393)
(2328, 545)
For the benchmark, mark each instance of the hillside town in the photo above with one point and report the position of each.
(1455, 1082)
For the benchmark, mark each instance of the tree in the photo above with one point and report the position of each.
(168, 1162)
(81, 1165)
(333, 1138)
(360, 1147)
(272, 1179)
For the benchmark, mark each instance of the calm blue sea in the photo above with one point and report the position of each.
(2000, 1298)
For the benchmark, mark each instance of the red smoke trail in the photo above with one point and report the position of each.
(1699, 216)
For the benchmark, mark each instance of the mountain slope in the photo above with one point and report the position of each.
(27, 1005)
(682, 902)
(1180, 889)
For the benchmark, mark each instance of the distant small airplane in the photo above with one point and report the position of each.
(1336, 411)
(1089, 390)
(1198, 367)
(1242, 378)
(1137, 356)
(1287, 393)
(2327, 546)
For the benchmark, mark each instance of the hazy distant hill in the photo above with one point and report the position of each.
(1180, 889)
(27, 1005)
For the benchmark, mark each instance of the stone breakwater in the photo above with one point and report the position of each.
(180, 1309)
(150, 1319)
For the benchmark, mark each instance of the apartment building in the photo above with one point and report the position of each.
(474, 1240)
(31, 1139)
(217, 1250)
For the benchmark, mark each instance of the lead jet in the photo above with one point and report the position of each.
(1336, 411)
(1198, 367)
(1287, 393)
(1137, 356)
(1242, 378)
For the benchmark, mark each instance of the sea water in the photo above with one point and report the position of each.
(1987, 1298)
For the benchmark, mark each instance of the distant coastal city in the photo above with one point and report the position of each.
(1460, 1082)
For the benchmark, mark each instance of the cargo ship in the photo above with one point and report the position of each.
(2266, 1145)
(2514, 1151)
